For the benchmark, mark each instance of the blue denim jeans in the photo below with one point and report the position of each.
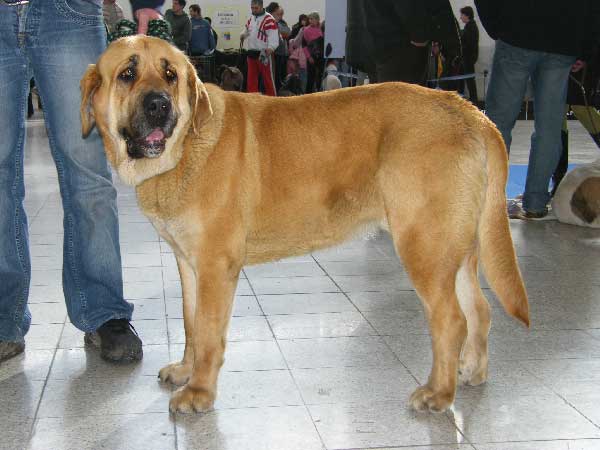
(54, 41)
(549, 72)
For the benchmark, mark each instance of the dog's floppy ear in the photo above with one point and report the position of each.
(199, 101)
(89, 83)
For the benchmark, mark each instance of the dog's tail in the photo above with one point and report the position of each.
(495, 242)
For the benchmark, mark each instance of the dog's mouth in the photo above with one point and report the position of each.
(150, 146)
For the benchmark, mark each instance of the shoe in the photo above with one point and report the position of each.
(118, 341)
(516, 211)
(10, 349)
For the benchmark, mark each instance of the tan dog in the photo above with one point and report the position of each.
(224, 186)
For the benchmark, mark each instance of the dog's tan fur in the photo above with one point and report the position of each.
(232, 188)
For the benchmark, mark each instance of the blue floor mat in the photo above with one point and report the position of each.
(516, 179)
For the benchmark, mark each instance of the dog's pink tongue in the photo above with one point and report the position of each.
(156, 135)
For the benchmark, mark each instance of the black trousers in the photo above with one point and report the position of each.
(471, 83)
(280, 70)
(314, 73)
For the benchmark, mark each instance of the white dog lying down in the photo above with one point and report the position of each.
(577, 199)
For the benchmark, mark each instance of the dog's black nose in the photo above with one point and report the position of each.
(157, 107)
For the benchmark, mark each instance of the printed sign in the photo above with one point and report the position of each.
(227, 19)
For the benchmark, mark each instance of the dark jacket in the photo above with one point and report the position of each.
(202, 38)
(393, 24)
(470, 43)
(181, 28)
(359, 42)
(554, 26)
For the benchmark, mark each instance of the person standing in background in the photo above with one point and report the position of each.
(262, 37)
(313, 43)
(470, 51)
(112, 13)
(181, 27)
(281, 52)
(202, 40)
(525, 49)
(302, 22)
(214, 33)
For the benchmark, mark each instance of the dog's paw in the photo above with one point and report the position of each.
(187, 400)
(471, 373)
(175, 373)
(425, 399)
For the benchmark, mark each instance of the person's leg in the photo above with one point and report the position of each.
(550, 94)
(310, 78)
(252, 77)
(511, 69)
(15, 268)
(268, 76)
(303, 79)
(471, 83)
(461, 83)
(563, 163)
(63, 43)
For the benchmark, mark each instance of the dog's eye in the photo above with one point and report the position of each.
(170, 75)
(127, 75)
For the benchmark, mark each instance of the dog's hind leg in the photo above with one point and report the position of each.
(433, 236)
(473, 368)
(179, 372)
(432, 268)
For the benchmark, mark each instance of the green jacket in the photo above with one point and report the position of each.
(181, 27)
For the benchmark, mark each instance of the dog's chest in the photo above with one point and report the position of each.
(175, 231)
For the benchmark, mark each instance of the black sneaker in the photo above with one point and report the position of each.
(10, 349)
(118, 341)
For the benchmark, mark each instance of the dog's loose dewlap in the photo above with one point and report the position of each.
(226, 186)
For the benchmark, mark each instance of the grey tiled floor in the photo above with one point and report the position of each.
(324, 350)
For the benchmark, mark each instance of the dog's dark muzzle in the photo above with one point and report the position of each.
(150, 126)
(157, 108)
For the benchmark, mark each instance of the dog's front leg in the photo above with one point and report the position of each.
(179, 372)
(217, 278)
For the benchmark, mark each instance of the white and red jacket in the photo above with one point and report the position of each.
(261, 32)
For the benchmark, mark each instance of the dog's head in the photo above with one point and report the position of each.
(145, 97)
(230, 78)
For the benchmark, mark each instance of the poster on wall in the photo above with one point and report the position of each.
(227, 19)
(228, 22)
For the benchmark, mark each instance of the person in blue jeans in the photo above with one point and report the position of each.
(53, 42)
(541, 41)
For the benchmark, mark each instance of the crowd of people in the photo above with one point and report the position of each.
(193, 34)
